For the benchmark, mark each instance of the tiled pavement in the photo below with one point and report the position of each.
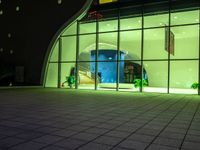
(60, 119)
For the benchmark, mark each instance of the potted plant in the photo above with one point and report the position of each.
(137, 83)
(195, 85)
(71, 81)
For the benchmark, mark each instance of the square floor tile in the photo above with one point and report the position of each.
(85, 136)
(70, 143)
(168, 142)
(95, 146)
(107, 140)
(10, 141)
(28, 146)
(160, 147)
(130, 144)
(48, 139)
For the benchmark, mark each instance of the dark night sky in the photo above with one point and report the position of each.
(31, 30)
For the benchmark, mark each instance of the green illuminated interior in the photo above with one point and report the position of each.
(183, 64)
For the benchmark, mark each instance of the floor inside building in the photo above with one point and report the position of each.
(69, 119)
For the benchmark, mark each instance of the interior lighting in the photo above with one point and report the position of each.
(175, 17)
(59, 1)
(11, 51)
(106, 1)
(17, 8)
(9, 35)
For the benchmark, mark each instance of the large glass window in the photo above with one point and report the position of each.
(107, 41)
(87, 43)
(129, 74)
(89, 27)
(154, 44)
(130, 23)
(155, 74)
(126, 46)
(71, 30)
(182, 75)
(67, 70)
(110, 25)
(52, 75)
(130, 44)
(68, 48)
(156, 20)
(107, 75)
(54, 55)
(86, 75)
(185, 17)
(186, 42)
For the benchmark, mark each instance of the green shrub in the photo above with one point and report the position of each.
(195, 85)
(137, 83)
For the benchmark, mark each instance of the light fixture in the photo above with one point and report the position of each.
(59, 1)
(11, 51)
(9, 35)
(17, 8)
(1, 49)
(1, 12)
(175, 17)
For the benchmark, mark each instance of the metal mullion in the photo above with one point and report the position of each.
(142, 50)
(59, 62)
(199, 51)
(118, 51)
(97, 54)
(168, 48)
(77, 55)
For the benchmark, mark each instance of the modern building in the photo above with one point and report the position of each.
(132, 45)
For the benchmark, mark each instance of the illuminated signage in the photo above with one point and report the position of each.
(106, 1)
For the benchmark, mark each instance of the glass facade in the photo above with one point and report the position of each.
(148, 48)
